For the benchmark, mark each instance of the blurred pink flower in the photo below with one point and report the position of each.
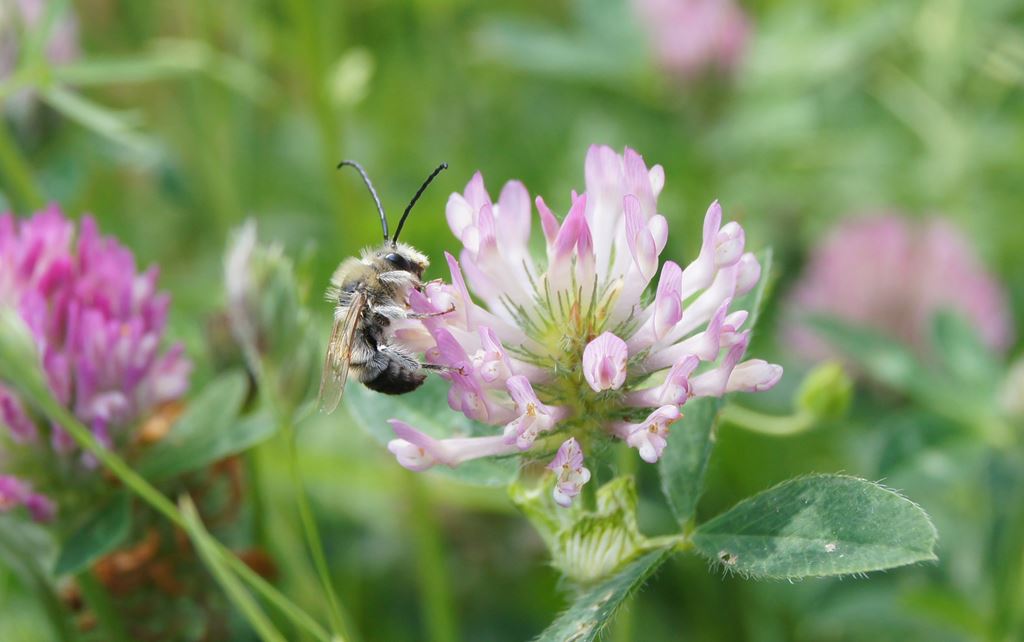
(893, 275)
(15, 492)
(568, 349)
(691, 37)
(98, 326)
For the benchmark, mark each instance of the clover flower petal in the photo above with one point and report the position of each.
(651, 435)
(604, 362)
(418, 451)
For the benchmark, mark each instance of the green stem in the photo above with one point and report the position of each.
(17, 174)
(773, 425)
(98, 599)
(312, 533)
(206, 547)
(285, 606)
(431, 570)
(61, 416)
(257, 494)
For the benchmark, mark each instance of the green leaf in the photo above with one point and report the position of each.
(103, 532)
(965, 356)
(169, 58)
(208, 431)
(427, 409)
(816, 526)
(118, 127)
(893, 364)
(684, 462)
(594, 608)
(886, 360)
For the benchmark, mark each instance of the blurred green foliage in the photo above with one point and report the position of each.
(183, 118)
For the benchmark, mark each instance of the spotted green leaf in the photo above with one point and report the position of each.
(816, 526)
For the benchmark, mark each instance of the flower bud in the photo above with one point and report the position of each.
(825, 392)
(588, 546)
(267, 318)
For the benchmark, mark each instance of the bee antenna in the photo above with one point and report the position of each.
(373, 193)
(415, 198)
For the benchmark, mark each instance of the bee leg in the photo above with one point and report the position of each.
(429, 315)
(419, 286)
(433, 367)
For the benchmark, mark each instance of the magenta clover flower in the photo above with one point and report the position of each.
(568, 350)
(97, 323)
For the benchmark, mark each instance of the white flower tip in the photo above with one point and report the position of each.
(410, 456)
(748, 275)
(648, 453)
(657, 176)
(729, 244)
(755, 375)
(561, 498)
(713, 217)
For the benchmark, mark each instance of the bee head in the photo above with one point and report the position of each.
(400, 256)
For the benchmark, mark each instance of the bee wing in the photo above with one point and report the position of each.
(339, 351)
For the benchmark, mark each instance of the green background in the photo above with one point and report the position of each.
(839, 108)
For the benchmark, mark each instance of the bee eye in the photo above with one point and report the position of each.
(399, 261)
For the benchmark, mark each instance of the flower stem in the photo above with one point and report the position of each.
(206, 548)
(431, 570)
(98, 599)
(17, 174)
(773, 425)
(313, 539)
(137, 484)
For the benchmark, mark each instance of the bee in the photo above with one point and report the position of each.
(369, 292)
